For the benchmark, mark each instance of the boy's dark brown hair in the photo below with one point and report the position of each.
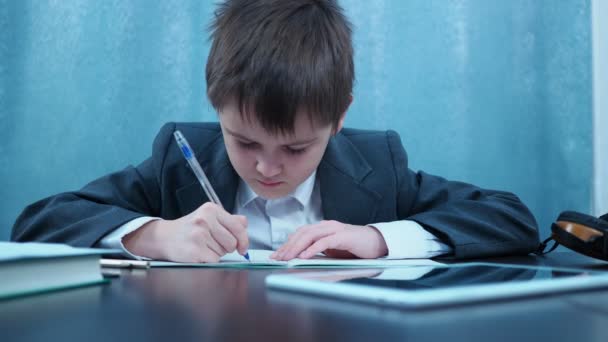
(277, 57)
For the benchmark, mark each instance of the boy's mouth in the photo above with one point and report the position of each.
(269, 184)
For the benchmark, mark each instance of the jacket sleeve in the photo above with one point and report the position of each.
(475, 222)
(81, 218)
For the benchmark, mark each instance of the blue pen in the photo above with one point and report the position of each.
(198, 171)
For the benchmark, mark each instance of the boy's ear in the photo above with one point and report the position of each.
(341, 122)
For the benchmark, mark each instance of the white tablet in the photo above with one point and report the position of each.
(426, 286)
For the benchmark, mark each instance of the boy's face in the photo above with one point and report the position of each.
(273, 165)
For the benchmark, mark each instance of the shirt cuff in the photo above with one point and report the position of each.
(408, 240)
(114, 239)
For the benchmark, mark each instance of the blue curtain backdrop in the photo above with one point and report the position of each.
(497, 93)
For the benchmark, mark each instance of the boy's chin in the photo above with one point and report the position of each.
(278, 192)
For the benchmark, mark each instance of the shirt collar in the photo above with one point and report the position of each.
(302, 192)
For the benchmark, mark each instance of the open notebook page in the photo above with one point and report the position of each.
(261, 258)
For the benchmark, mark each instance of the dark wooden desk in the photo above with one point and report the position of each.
(224, 304)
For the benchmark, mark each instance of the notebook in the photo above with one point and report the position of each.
(260, 258)
(30, 268)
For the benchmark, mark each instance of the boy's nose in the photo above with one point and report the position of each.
(268, 169)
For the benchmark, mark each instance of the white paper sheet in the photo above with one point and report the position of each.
(261, 258)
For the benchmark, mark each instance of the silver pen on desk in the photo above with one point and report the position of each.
(183, 145)
(123, 263)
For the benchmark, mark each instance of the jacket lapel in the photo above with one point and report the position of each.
(214, 161)
(341, 172)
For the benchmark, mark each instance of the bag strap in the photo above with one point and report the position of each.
(543, 246)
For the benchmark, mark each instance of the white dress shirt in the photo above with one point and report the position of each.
(271, 221)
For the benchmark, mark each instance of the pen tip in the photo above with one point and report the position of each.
(246, 255)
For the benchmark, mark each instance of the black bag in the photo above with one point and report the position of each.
(581, 233)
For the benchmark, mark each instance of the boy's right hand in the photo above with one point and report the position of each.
(204, 235)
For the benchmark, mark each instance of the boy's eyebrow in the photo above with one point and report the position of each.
(301, 142)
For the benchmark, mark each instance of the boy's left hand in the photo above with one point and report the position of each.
(336, 239)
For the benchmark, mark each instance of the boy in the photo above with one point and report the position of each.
(280, 74)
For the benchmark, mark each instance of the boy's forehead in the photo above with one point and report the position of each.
(246, 124)
(302, 131)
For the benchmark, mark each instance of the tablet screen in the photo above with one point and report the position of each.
(424, 278)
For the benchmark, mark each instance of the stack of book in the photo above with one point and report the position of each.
(29, 268)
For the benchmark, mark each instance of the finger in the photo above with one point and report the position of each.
(242, 218)
(276, 255)
(223, 237)
(209, 255)
(237, 226)
(333, 241)
(202, 241)
(304, 240)
(206, 223)
(290, 240)
(298, 237)
(327, 226)
(215, 245)
(339, 254)
(244, 245)
(203, 248)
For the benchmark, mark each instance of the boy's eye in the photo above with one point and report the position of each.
(254, 145)
(295, 151)
(248, 145)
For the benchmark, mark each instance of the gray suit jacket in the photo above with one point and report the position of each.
(364, 178)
